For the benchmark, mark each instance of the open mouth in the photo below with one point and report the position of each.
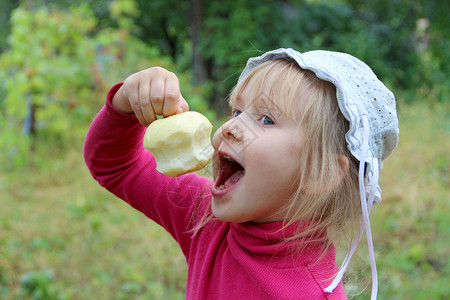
(229, 172)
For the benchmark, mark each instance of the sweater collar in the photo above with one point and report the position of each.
(269, 239)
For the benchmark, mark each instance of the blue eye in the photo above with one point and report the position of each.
(236, 113)
(267, 121)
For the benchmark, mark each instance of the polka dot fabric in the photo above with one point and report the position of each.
(359, 92)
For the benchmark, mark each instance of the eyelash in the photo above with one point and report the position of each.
(236, 113)
(271, 121)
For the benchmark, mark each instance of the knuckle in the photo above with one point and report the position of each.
(172, 95)
(145, 103)
(131, 80)
(137, 107)
(173, 76)
(157, 70)
(157, 99)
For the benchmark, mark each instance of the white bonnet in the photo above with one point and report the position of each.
(359, 92)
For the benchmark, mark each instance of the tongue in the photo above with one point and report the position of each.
(234, 178)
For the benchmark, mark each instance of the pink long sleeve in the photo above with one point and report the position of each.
(114, 154)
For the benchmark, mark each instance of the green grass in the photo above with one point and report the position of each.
(63, 234)
(64, 237)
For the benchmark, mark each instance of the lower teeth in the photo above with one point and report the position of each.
(221, 187)
(235, 179)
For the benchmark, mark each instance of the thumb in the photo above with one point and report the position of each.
(183, 106)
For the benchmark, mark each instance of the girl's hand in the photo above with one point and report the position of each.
(150, 92)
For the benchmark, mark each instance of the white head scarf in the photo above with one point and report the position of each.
(371, 110)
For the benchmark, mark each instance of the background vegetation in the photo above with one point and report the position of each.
(63, 237)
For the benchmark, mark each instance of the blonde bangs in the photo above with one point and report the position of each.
(322, 194)
(284, 79)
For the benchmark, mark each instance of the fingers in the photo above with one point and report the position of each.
(171, 95)
(147, 110)
(131, 93)
(182, 105)
(153, 92)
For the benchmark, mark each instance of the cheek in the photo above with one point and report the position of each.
(217, 138)
(289, 166)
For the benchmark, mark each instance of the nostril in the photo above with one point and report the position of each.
(232, 130)
(226, 128)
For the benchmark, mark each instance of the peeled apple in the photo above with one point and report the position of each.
(180, 143)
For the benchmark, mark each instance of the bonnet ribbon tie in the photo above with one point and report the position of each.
(366, 206)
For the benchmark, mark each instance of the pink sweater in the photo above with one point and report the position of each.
(225, 260)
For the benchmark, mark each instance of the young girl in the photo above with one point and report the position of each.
(299, 157)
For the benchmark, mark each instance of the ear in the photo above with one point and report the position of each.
(335, 181)
(344, 165)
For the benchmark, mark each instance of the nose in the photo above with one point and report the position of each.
(231, 131)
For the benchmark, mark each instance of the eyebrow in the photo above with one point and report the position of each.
(265, 103)
(235, 99)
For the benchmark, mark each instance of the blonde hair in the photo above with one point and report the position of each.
(325, 195)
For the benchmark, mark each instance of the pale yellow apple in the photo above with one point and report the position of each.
(180, 143)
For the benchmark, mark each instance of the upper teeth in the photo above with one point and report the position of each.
(226, 157)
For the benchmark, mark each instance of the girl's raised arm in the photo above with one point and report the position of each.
(150, 92)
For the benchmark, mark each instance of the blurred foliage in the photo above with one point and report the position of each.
(45, 73)
(6, 7)
(39, 286)
(59, 57)
(56, 63)
(405, 42)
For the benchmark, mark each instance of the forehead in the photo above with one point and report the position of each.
(259, 101)
(279, 86)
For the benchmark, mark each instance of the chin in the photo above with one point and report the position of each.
(218, 215)
(224, 216)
